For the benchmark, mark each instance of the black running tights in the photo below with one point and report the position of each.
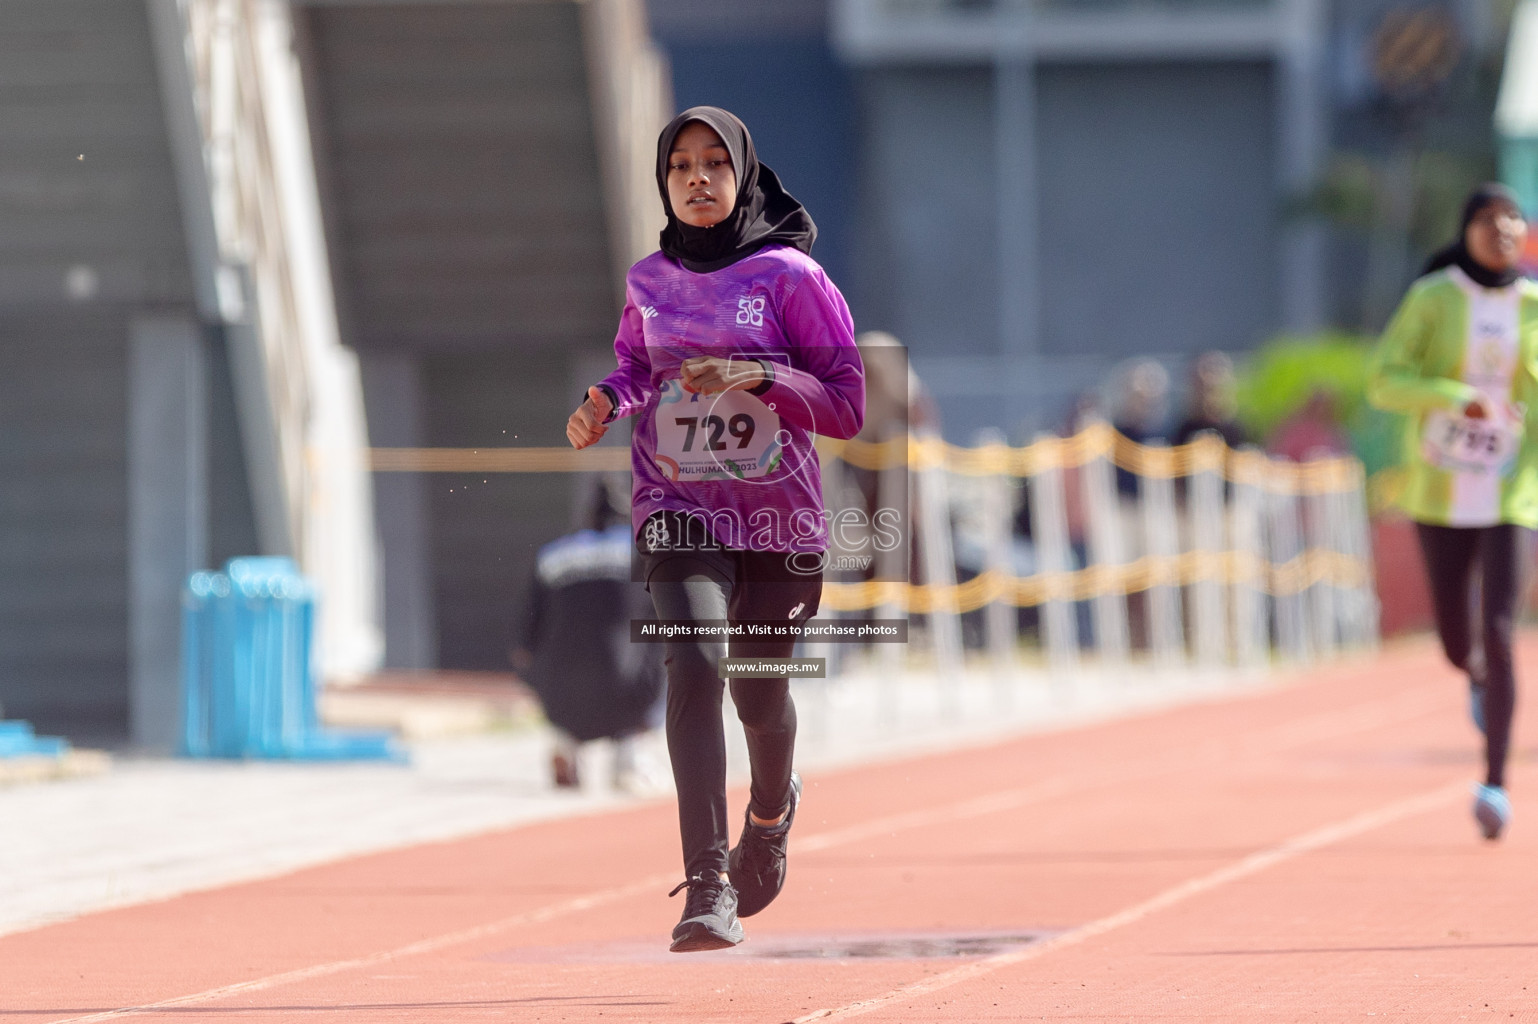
(1501, 554)
(696, 739)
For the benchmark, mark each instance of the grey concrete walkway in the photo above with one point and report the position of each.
(151, 828)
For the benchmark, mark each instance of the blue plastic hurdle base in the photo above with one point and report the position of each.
(249, 682)
(347, 745)
(17, 740)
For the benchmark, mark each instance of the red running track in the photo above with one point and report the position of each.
(1300, 854)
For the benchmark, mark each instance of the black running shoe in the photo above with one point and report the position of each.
(757, 862)
(710, 915)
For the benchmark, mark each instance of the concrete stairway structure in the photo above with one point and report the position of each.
(486, 175)
(173, 393)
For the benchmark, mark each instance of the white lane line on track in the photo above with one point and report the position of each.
(975, 807)
(1296, 733)
(432, 945)
(1288, 735)
(1253, 864)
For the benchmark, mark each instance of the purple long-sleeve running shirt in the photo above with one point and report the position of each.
(741, 461)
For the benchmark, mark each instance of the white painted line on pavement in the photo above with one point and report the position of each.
(1352, 719)
(1253, 864)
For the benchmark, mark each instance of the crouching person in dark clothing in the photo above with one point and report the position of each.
(574, 649)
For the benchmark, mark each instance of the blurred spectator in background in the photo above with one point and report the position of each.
(896, 402)
(896, 405)
(1142, 394)
(574, 645)
(1212, 403)
(1313, 432)
(1084, 413)
(1140, 409)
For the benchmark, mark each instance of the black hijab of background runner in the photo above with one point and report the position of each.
(765, 213)
(1485, 195)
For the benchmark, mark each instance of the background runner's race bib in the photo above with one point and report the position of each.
(1464, 445)
(704, 437)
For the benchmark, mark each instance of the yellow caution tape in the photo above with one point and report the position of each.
(498, 460)
(1234, 568)
(1206, 454)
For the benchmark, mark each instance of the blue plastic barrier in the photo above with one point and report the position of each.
(17, 740)
(248, 676)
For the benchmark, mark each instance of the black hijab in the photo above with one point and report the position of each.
(765, 212)
(1458, 254)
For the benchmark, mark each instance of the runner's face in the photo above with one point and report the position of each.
(702, 187)
(1496, 237)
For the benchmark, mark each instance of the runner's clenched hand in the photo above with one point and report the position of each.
(709, 375)
(587, 425)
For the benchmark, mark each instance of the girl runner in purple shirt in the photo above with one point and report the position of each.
(734, 350)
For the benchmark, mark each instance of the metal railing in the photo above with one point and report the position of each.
(256, 287)
(231, 75)
(632, 100)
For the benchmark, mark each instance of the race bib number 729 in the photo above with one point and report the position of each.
(731, 435)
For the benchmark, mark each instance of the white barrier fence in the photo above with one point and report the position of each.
(1204, 556)
(1212, 558)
